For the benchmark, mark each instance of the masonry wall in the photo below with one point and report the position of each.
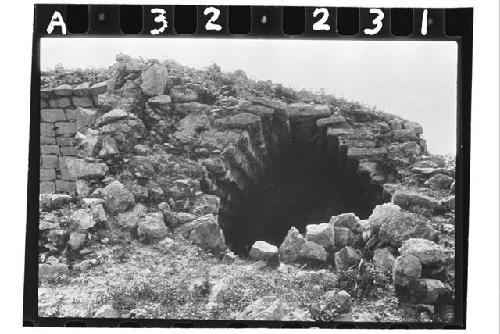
(59, 109)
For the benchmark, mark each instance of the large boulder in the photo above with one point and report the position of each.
(344, 237)
(322, 234)
(346, 258)
(406, 269)
(261, 250)
(117, 198)
(347, 220)
(208, 235)
(271, 308)
(151, 228)
(381, 214)
(428, 252)
(312, 252)
(383, 259)
(291, 246)
(154, 80)
(426, 291)
(83, 218)
(403, 226)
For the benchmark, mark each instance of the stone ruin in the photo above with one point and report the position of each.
(156, 148)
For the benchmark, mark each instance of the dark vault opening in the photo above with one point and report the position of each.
(305, 186)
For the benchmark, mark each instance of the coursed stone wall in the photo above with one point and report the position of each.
(60, 111)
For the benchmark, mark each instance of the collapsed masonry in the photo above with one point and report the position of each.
(158, 147)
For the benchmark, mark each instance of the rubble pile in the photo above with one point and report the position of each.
(157, 150)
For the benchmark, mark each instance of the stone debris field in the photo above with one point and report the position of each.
(178, 193)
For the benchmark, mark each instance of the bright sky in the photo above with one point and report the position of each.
(413, 79)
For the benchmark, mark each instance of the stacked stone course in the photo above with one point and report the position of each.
(59, 109)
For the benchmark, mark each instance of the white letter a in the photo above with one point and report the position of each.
(56, 20)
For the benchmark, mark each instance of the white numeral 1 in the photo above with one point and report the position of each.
(159, 19)
(321, 24)
(215, 15)
(377, 21)
(424, 23)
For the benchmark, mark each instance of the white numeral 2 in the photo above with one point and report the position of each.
(377, 21)
(159, 19)
(215, 15)
(321, 24)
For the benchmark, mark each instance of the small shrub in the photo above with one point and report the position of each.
(363, 281)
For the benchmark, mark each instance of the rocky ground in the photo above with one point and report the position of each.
(168, 157)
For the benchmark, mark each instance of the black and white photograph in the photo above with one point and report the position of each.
(247, 180)
(259, 165)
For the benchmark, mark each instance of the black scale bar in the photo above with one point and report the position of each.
(249, 21)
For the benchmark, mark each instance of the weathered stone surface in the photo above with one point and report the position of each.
(347, 220)
(85, 118)
(381, 214)
(109, 149)
(448, 202)
(346, 258)
(49, 161)
(76, 240)
(83, 218)
(113, 116)
(62, 102)
(208, 235)
(64, 186)
(161, 102)
(53, 201)
(407, 199)
(151, 228)
(239, 121)
(383, 259)
(403, 226)
(426, 291)
(291, 246)
(305, 111)
(337, 302)
(81, 89)
(79, 168)
(440, 181)
(322, 234)
(404, 135)
(52, 115)
(82, 101)
(99, 88)
(406, 268)
(63, 90)
(167, 245)
(333, 120)
(261, 250)
(428, 252)
(344, 237)
(130, 219)
(107, 311)
(269, 308)
(154, 80)
(117, 198)
(47, 174)
(65, 128)
(312, 252)
(50, 149)
(48, 271)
